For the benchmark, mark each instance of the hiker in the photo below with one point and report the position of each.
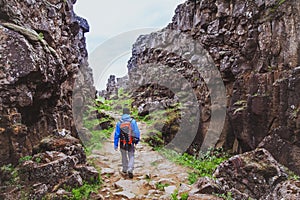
(128, 133)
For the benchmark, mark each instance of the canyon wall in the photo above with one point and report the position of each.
(255, 46)
(42, 52)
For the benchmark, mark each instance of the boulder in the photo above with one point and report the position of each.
(88, 173)
(50, 173)
(205, 186)
(280, 148)
(252, 174)
(289, 189)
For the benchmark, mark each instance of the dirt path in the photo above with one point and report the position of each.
(154, 176)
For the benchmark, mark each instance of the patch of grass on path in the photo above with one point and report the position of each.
(203, 166)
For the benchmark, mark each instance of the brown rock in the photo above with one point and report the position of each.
(289, 189)
(43, 48)
(50, 173)
(203, 197)
(247, 43)
(68, 145)
(205, 186)
(280, 148)
(88, 173)
(252, 174)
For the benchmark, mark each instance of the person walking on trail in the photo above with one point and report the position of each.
(128, 133)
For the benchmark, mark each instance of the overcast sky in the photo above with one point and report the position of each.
(110, 20)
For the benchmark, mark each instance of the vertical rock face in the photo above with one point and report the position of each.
(248, 42)
(42, 50)
(255, 46)
(111, 89)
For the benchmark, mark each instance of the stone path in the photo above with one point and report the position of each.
(152, 172)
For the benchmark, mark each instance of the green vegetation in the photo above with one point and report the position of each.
(161, 186)
(292, 175)
(155, 120)
(95, 135)
(226, 196)
(294, 113)
(183, 196)
(40, 36)
(95, 141)
(104, 104)
(203, 166)
(38, 159)
(25, 158)
(116, 105)
(193, 177)
(9, 172)
(174, 195)
(84, 192)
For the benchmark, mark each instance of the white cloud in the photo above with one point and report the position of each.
(108, 19)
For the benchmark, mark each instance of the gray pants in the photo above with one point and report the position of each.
(128, 159)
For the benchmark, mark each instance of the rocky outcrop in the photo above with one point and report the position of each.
(42, 52)
(111, 88)
(58, 164)
(246, 40)
(280, 148)
(113, 85)
(45, 82)
(255, 175)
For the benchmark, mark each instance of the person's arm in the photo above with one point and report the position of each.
(117, 136)
(136, 130)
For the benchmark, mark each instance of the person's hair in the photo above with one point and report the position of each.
(126, 111)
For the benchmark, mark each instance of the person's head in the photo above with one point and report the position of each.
(126, 111)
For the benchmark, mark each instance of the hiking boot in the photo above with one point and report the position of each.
(124, 172)
(130, 174)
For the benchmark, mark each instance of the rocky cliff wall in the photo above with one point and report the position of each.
(255, 46)
(42, 50)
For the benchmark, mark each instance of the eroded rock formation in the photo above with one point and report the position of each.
(42, 50)
(45, 82)
(254, 45)
(255, 174)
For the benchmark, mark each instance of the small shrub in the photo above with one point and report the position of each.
(161, 186)
(292, 175)
(184, 196)
(174, 195)
(225, 196)
(38, 159)
(25, 158)
(40, 36)
(193, 177)
(10, 174)
(84, 191)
